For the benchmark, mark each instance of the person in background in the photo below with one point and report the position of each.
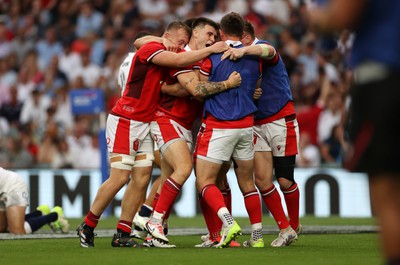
(13, 202)
(375, 103)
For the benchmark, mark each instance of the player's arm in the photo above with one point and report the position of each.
(200, 89)
(176, 90)
(262, 50)
(183, 59)
(169, 45)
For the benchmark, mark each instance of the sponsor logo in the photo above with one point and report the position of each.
(128, 108)
(136, 145)
(159, 113)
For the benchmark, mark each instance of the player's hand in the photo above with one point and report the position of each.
(169, 45)
(233, 54)
(234, 80)
(257, 93)
(219, 47)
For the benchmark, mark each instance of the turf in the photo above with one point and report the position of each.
(309, 249)
(313, 249)
(198, 221)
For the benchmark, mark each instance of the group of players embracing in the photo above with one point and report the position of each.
(239, 87)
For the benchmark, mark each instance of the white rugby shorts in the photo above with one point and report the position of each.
(281, 137)
(128, 137)
(14, 192)
(220, 145)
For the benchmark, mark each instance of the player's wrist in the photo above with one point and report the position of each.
(227, 84)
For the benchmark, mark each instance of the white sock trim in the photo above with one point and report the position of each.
(27, 227)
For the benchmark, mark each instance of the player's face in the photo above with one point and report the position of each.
(205, 36)
(179, 37)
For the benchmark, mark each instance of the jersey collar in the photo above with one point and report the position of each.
(187, 48)
(255, 41)
(233, 43)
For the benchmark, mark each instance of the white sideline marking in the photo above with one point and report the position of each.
(201, 231)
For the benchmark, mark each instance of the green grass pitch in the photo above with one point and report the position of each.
(313, 249)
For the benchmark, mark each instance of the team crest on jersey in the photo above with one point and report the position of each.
(136, 145)
(108, 140)
(278, 147)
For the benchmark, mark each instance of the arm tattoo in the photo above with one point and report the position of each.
(204, 89)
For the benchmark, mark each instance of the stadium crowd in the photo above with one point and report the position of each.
(50, 47)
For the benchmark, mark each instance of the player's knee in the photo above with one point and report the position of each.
(3, 227)
(144, 160)
(284, 167)
(121, 161)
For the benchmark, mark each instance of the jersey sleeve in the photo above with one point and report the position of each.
(174, 72)
(206, 67)
(149, 50)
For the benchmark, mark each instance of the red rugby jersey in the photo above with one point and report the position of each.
(183, 110)
(143, 88)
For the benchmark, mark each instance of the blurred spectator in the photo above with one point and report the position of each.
(332, 148)
(90, 156)
(34, 109)
(344, 45)
(41, 11)
(308, 59)
(69, 60)
(289, 45)
(332, 114)
(48, 147)
(14, 155)
(220, 9)
(79, 139)
(54, 79)
(11, 109)
(63, 158)
(255, 18)
(88, 20)
(89, 72)
(21, 43)
(65, 30)
(102, 47)
(8, 78)
(270, 8)
(48, 48)
(5, 43)
(30, 75)
(152, 12)
(309, 155)
(63, 113)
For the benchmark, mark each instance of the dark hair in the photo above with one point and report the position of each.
(141, 34)
(232, 24)
(176, 25)
(189, 21)
(203, 21)
(249, 29)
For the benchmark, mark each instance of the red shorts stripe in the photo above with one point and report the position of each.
(168, 131)
(203, 142)
(122, 136)
(291, 141)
